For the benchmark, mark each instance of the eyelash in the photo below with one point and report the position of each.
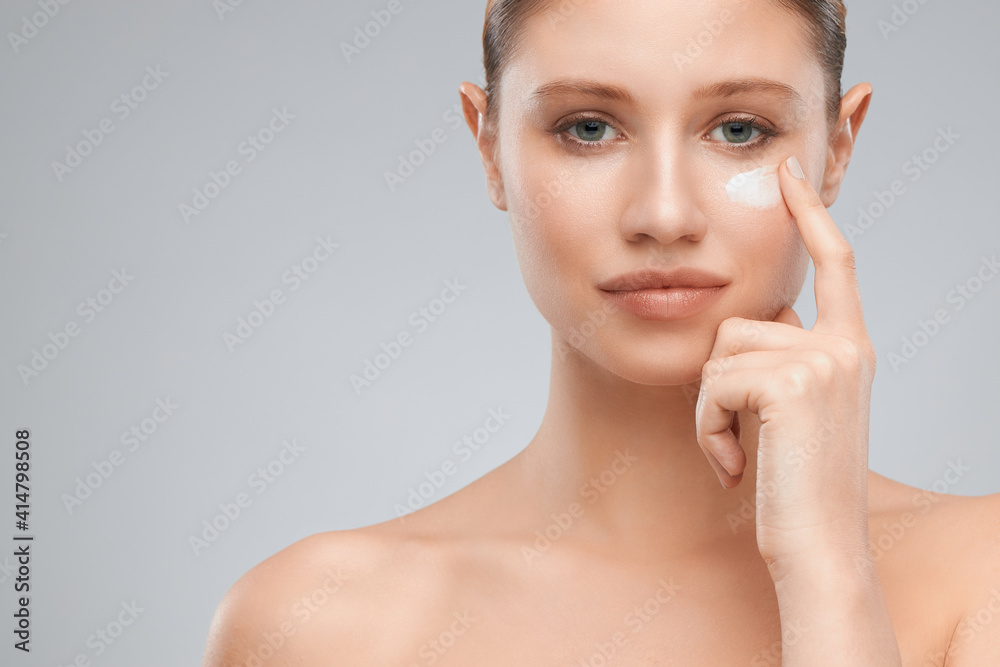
(766, 133)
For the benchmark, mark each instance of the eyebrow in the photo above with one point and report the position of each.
(721, 89)
(582, 87)
(752, 85)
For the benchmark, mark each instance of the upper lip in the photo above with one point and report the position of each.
(681, 276)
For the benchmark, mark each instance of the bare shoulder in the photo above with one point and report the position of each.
(321, 600)
(961, 524)
(947, 528)
(948, 547)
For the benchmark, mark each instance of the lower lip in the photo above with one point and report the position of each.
(672, 303)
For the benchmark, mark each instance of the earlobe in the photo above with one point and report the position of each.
(853, 109)
(474, 103)
(497, 195)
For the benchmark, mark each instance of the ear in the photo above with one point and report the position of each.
(853, 108)
(474, 103)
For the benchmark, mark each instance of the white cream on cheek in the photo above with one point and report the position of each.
(758, 188)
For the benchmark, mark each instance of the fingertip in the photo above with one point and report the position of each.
(794, 168)
(800, 193)
(791, 184)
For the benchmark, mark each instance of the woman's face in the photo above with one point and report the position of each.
(597, 186)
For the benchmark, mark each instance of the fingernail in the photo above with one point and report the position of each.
(795, 168)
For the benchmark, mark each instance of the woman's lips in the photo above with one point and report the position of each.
(655, 278)
(665, 303)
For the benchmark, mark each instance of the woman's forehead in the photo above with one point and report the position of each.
(662, 47)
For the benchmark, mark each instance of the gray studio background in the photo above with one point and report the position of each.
(183, 284)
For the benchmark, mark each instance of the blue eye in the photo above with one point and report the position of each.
(743, 133)
(738, 132)
(590, 130)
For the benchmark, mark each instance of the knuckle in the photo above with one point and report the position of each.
(727, 335)
(858, 355)
(749, 328)
(737, 334)
(814, 203)
(824, 363)
(714, 367)
(845, 256)
(796, 380)
(751, 334)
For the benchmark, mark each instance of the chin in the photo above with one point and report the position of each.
(664, 358)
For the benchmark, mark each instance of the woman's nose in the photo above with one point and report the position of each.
(660, 198)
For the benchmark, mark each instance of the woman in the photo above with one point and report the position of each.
(666, 166)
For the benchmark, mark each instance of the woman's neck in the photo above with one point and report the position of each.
(621, 462)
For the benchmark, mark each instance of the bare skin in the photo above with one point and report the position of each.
(610, 534)
(454, 573)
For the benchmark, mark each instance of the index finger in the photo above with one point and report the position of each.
(838, 297)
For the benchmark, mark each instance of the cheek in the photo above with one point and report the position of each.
(548, 221)
(559, 211)
(738, 202)
(747, 209)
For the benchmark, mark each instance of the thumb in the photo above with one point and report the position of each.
(788, 316)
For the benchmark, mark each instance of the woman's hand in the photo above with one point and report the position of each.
(811, 391)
